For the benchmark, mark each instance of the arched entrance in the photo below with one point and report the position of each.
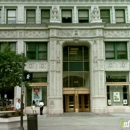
(76, 90)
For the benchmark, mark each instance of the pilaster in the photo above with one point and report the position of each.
(20, 16)
(55, 77)
(20, 46)
(113, 20)
(129, 14)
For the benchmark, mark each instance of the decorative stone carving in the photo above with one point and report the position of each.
(36, 66)
(117, 65)
(95, 15)
(117, 33)
(55, 15)
(26, 34)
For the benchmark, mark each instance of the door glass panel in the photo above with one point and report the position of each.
(71, 101)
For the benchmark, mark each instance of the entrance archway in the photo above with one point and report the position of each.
(76, 87)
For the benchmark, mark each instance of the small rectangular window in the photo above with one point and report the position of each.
(11, 16)
(120, 16)
(31, 16)
(37, 51)
(66, 16)
(45, 16)
(83, 16)
(116, 50)
(105, 15)
(11, 44)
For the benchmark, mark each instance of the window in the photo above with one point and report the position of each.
(66, 16)
(83, 16)
(117, 88)
(116, 50)
(120, 16)
(37, 51)
(45, 16)
(30, 16)
(11, 16)
(75, 66)
(105, 15)
(11, 44)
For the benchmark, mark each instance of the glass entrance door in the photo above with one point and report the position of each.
(84, 104)
(69, 103)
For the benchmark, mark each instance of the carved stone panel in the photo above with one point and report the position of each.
(36, 66)
(117, 33)
(117, 65)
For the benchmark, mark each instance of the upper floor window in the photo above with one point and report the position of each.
(105, 15)
(120, 15)
(31, 16)
(11, 44)
(45, 16)
(116, 50)
(66, 16)
(37, 51)
(83, 16)
(11, 16)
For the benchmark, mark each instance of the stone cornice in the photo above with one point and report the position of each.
(65, 1)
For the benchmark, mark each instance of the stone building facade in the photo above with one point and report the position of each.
(79, 52)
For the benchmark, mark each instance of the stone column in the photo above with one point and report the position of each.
(98, 88)
(128, 14)
(20, 16)
(55, 105)
(113, 19)
(75, 15)
(38, 15)
(20, 46)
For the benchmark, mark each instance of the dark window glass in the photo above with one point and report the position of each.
(37, 51)
(120, 16)
(105, 15)
(76, 66)
(45, 16)
(83, 16)
(116, 50)
(66, 16)
(30, 16)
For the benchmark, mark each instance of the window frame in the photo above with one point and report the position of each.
(7, 16)
(115, 50)
(105, 17)
(120, 17)
(83, 17)
(68, 17)
(37, 51)
(46, 18)
(8, 44)
(30, 16)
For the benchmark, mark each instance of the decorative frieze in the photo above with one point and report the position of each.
(117, 33)
(36, 66)
(23, 34)
(117, 65)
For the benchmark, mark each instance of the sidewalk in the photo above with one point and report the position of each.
(81, 121)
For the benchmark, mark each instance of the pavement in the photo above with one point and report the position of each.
(83, 121)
